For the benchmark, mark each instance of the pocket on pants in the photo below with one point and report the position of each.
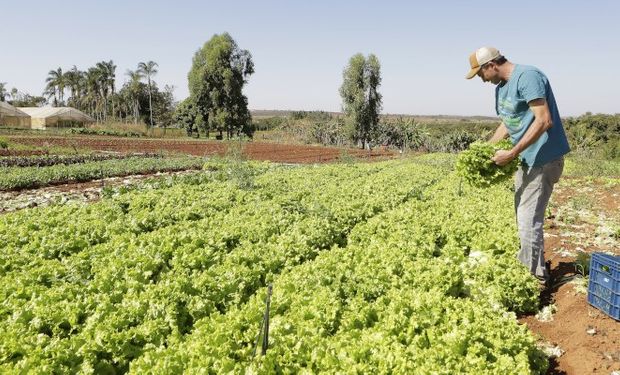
(553, 170)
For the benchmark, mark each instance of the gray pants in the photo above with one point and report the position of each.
(533, 187)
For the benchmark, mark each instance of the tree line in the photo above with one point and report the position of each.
(94, 91)
(220, 70)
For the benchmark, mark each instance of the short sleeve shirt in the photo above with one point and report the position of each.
(527, 83)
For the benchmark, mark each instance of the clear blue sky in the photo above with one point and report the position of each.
(301, 47)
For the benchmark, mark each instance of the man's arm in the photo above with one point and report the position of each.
(500, 133)
(542, 123)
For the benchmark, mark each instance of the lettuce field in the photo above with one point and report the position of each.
(390, 267)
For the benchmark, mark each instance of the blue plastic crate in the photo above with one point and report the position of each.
(604, 286)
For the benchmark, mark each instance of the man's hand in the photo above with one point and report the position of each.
(503, 157)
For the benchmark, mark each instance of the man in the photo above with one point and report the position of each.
(525, 103)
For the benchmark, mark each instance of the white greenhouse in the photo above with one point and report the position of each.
(45, 117)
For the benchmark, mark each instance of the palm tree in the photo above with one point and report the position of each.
(93, 96)
(110, 82)
(55, 86)
(134, 88)
(74, 79)
(106, 85)
(148, 69)
(102, 86)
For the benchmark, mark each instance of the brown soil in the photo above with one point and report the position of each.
(589, 338)
(5, 152)
(276, 152)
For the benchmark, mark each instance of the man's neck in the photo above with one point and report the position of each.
(505, 70)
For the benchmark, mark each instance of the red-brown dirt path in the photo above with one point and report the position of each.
(276, 152)
(581, 211)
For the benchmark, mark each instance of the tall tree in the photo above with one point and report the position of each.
(219, 71)
(134, 91)
(148, 70)
(107, 77)
(74, 80)
(55, 86)
(361, 102)
(93, 97)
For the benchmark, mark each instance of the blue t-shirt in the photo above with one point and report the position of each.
(527, 83)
